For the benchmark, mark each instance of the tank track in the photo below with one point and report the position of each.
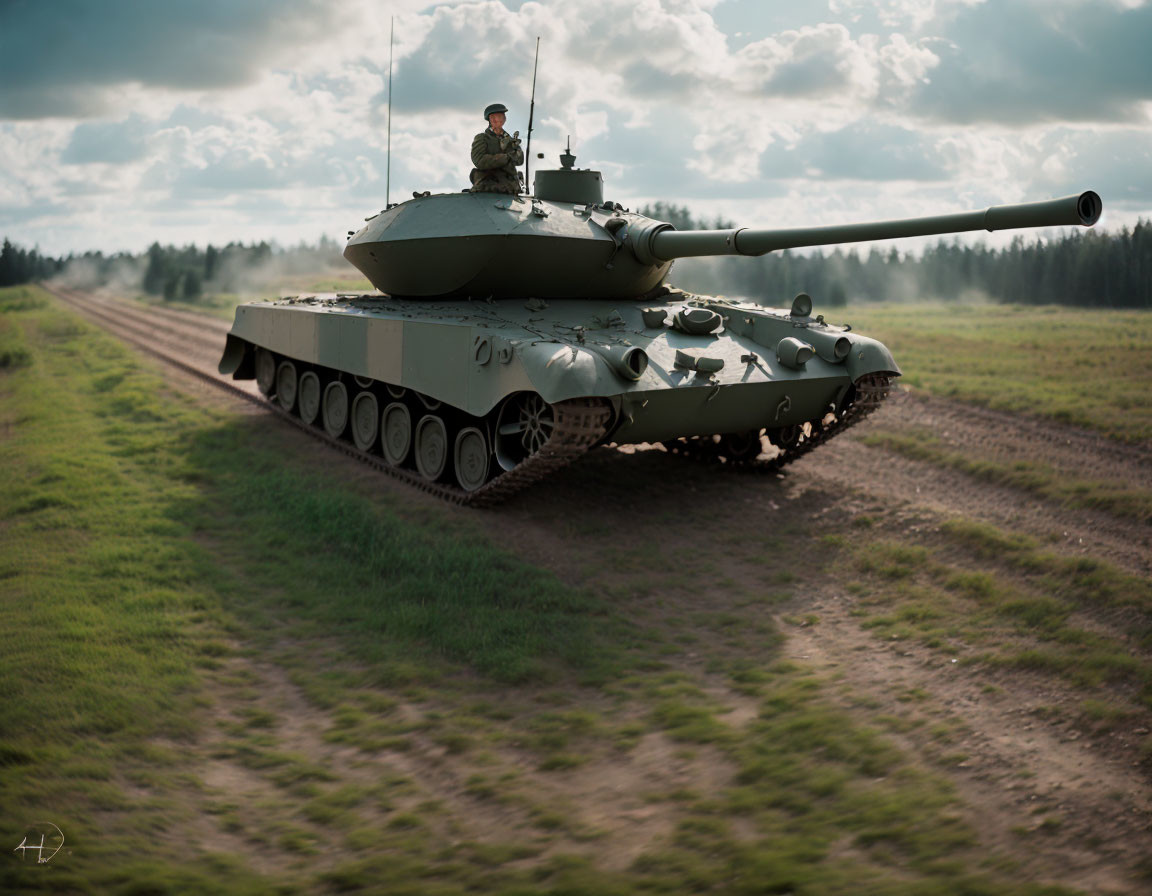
(579, 424)
(869, 391)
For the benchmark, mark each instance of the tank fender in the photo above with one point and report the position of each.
(238, 359)
(869, 356)
(559, 372)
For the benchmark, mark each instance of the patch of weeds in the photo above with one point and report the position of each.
(454, 742)
(1104, 715)
(482, 787)
(892, 560)
(628, 735)
(299, 840)
(549, 820)
(1085, 580)
(22, 298)
(12, 358)
(943, 603)
(333, 807)
(1036, 612)
(691, 722)
(979, 586)
(405, 821)
(493, 855)
(256, 717)
(560, 762)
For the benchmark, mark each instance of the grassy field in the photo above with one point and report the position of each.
(226, 668)
(1088, 367)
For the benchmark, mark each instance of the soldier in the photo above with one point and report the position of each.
(496, 155)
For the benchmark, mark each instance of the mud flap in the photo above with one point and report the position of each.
(237, 359)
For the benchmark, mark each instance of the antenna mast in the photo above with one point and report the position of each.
(388, 150)
(531, 114)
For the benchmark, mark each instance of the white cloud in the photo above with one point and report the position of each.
(847, 111)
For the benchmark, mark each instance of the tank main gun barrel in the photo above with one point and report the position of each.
(660, 243)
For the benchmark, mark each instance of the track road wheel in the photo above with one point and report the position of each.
(335, 409)
(523, 426)
(265, 371)
(365, 420)
(738, 447)
(309, 397)
(786, 437)
(396, 433)
(286, 385)
(472, 458)
(432, 447)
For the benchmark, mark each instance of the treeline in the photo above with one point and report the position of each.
(24, 265)
(1087, 268)
(176, 273)
(187, 272)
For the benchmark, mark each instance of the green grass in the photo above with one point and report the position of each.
(1019, 605)
(1030, 476)
(225, 668)
(141, 537)
(1085, 367)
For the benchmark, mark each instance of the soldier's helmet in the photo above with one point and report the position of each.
(495, 107)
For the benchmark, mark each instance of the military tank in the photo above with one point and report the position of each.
(511, 334)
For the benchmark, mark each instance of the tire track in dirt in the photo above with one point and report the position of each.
(1044, 791)
(896, 480)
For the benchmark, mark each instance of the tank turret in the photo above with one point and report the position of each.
(567, 241)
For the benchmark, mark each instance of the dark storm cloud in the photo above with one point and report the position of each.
(1025, 61)
(55, 57)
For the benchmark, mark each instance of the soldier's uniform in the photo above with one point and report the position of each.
(496, 159)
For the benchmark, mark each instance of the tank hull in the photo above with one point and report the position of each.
(473, 355)
(515, 381)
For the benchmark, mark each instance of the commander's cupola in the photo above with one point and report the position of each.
(580, 186)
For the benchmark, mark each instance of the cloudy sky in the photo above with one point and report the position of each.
(127, 121)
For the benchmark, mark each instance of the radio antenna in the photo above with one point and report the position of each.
(388, 149)
(531, 114)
